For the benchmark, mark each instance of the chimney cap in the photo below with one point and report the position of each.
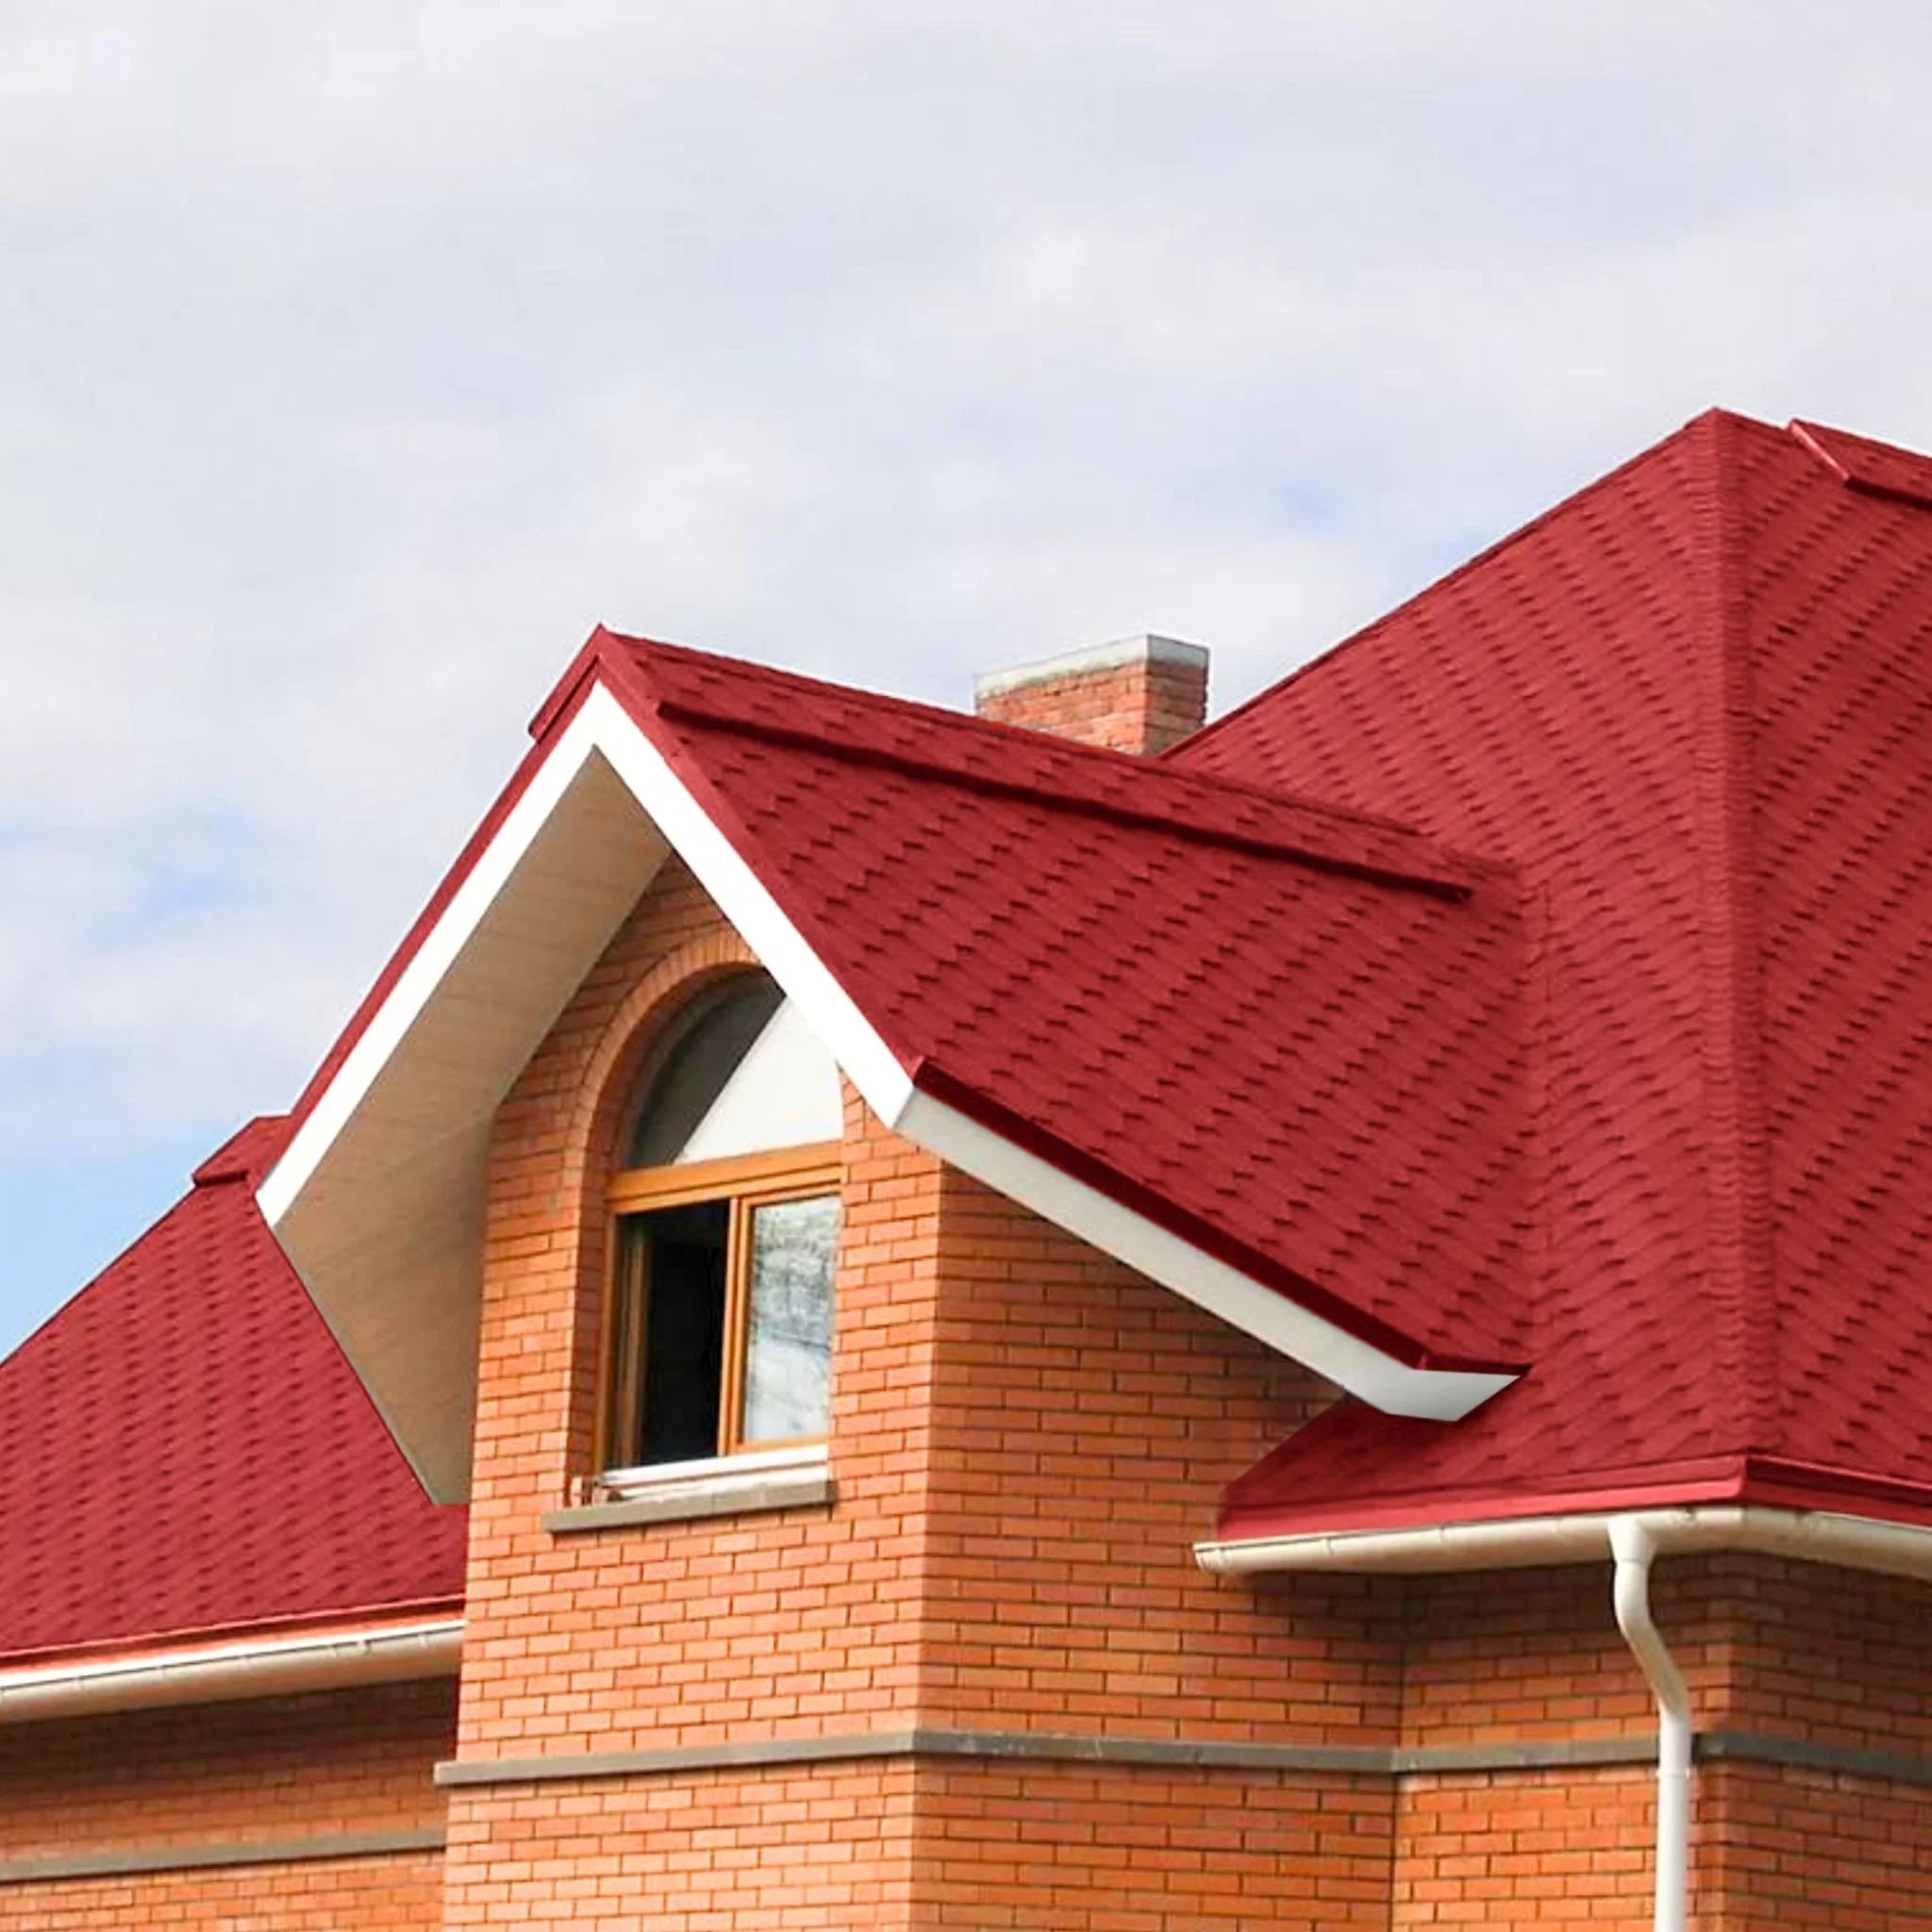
(1148, 648)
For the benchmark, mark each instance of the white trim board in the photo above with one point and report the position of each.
(602, 727)
(1358, 1366)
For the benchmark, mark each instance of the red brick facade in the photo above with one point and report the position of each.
(318, 1811)
(1026, 1439)
(1139, 696)
(985, 1686)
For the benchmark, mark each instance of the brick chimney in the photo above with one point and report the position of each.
(1139, 695)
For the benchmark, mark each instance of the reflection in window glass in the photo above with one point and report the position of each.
(787, 1350)
(716, 1034)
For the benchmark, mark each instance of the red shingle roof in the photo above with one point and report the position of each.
(184, 1449)
(1642, 1096)
(1693, 706)
(1287, 1033)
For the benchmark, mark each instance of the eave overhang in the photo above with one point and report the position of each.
(1856, 1542)
(274, 1665)
(377, 1196)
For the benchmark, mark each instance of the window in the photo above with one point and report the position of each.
(726, 1212)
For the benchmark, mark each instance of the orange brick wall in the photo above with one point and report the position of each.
(1085, 1423)
(1519, 1849)
(1822, 1657)
(818, 1849)
(1073, 1848)
(400, 1891)
(1784, 1849)
(1027, 1438)
(1133, 708)
(1529, 1655)
(1776, 1650)
(1535, 1653)
(228, 1774)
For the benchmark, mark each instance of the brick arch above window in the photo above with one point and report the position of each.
(604, 1083)
(758, 1175)
(626, 1042)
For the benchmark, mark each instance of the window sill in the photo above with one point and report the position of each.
(690, 1491)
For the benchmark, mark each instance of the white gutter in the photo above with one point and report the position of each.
(1634, 1549)
(1853, 1542)
(1633, 1540)
(275, 1667)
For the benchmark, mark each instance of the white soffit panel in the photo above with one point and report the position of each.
(783, 1093)
(568, 862)
(377, 1200)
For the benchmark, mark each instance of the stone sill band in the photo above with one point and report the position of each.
(293, 1850)
(1347, 1760)
(751, 1495)
(1354, 1760)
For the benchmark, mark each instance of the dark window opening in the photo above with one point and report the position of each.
(670, 1321)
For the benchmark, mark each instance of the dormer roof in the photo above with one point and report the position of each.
(1180, 1015)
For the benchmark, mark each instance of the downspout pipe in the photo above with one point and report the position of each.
(1634, 1548)
(1633, 1540)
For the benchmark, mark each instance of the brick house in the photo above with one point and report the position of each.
(885, 1320)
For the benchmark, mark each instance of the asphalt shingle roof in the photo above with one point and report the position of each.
(1692, 705)
(1543, 976)
(184, 1449)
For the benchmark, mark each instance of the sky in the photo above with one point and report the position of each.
(356, 361)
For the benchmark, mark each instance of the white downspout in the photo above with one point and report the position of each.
(1634, 1548)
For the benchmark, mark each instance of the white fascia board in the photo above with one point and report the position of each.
(1363, 1370)
(420, 978)
(273, 1667)
(741, 897)
(602, 725)
(1853, 1542)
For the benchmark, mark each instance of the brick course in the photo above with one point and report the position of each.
(395, 1893)
(1025, 1439)
(262, 1772)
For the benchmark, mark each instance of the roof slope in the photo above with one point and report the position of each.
(1693, 705)
(183, 1448)
(1289, 1033)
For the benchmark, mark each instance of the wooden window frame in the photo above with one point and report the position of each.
(747, 1183)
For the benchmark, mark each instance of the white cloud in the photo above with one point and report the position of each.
(353, 362)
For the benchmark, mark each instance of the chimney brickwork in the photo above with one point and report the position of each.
(1141, 694)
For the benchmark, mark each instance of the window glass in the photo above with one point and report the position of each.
(693, 1071)
(724, 1222)
(669, 1331)
(788, 1349)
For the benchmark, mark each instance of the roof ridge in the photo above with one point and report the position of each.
(1440, 871)
(1035, 740)
(1436, 586)
(1732, 1082)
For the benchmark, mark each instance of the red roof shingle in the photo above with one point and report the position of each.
(184, 1449)
(1545, 975)
(1290, 1034)
(1693, 706)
